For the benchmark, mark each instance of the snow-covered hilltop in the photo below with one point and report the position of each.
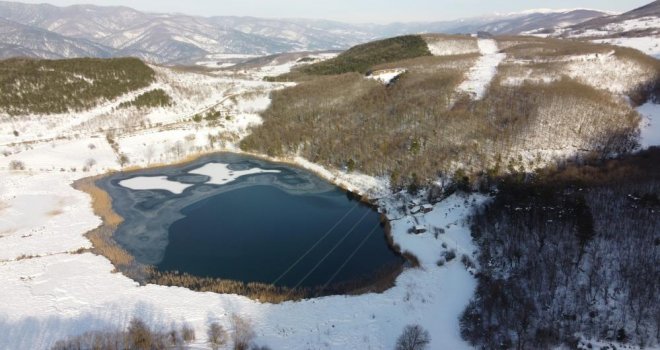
(638, 29)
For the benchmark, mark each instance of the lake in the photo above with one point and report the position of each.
(235, 217)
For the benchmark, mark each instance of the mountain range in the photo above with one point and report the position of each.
(47, 31)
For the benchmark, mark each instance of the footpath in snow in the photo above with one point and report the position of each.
(483, 72)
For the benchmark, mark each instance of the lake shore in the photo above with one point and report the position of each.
(104, 244)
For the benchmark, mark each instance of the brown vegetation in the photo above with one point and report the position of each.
(137, 336)
(409, 132)
(101, 237)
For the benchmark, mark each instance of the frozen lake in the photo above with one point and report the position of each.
(234, 217)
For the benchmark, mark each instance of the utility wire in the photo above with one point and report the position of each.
(331, 251)
(364, 240)
(315, 244)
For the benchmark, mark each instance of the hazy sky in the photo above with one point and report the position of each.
(355, 10)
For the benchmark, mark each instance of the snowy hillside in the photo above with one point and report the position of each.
(507, 105)
(53, 291)
(638, 29)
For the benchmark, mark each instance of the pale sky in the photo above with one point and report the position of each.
(378, 11)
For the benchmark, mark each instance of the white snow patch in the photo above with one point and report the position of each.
(649, 45)
(154, 183)
(483, 72)
(220, 174)
(451, 46)
(385, 76)
(650, 128)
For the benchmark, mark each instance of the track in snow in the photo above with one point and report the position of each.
(483, 72)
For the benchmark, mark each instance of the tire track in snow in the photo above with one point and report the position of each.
(482, 73)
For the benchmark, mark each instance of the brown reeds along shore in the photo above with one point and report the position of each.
(104, 244)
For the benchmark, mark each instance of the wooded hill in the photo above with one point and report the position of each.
(59, 86)
(418, 128)
(571, 250)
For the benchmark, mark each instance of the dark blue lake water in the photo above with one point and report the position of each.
(290, 228)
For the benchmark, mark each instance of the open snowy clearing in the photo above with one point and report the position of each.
(649, 45)
(484, 70)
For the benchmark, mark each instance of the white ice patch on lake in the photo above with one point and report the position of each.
(154, 183)
(650, 128)
(483, 72)
(220, 174)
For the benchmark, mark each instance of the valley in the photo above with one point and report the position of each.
(502, 190)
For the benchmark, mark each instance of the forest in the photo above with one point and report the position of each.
(29, 86)
(570, 251)
(149, 99)
(361, 58)
(417, 128)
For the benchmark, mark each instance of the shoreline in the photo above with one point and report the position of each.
(104, 244)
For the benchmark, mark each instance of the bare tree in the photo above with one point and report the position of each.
(414, 337)
(149, 153)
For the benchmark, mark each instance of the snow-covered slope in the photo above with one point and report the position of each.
(484, 70)
(51, 291)
(638, 29)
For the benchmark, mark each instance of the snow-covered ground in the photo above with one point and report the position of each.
(50, 291)
(644, 23)
(650, 128)
(484, 70)
(649, 45)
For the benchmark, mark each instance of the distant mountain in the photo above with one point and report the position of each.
(44, 30)
(617, 23)
(638, 29)
(20, 40)
(642, 21)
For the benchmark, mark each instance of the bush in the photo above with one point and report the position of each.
(140, 336)
(217, 335)
(243, 332)
(449, 255)
(16, 165)
(414, 337)
(187, 333)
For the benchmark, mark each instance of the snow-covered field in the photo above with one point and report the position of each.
(50, 291)
(649, 45)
